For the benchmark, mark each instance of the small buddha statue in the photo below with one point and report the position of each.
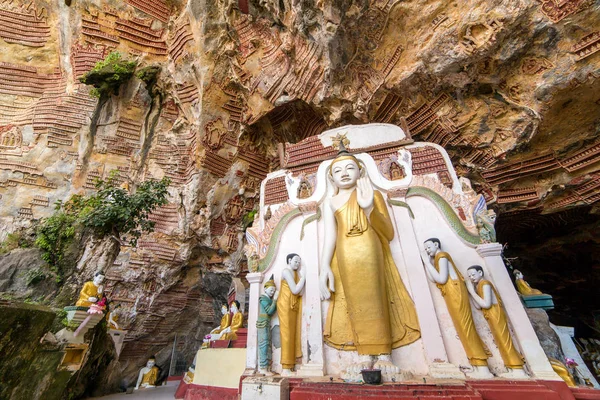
(237, 320)
(113, 318)
(91, 291)
(487, 299)
(216, 333)
(148, 375)
(523, 287)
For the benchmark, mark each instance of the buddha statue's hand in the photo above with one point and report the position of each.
(364, 193)
(326, 283)
(92, 299)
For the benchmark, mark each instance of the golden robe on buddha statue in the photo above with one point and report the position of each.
(89, 290)
(236, 323)
(225, 322)
(457, 300)
(289, 310)
(371, 311)
(498, 323)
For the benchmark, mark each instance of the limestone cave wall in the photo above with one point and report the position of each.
(509, 88)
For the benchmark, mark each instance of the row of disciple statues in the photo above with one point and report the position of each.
(370, 310)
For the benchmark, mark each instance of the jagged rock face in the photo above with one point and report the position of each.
(509, 88)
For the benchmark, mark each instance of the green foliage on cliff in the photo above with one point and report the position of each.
(111, 211)
(115, 211)
(13, 241)
(108, 75)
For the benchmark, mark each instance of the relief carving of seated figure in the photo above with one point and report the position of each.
(91, 291)
(148, 375)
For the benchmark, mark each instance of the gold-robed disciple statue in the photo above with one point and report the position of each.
(523, 287)
(289, 309)
(370, 310)
(148, 375)
(487, 299)
(442, 271)
(91, 291)
(230, 332)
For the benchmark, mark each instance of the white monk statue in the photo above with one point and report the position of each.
(371, 311)
(148, 375)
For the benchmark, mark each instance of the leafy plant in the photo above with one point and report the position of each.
(112, 211)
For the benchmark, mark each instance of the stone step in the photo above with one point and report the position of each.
(325, 391)
(522, 390)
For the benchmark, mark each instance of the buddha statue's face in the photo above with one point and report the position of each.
(98, 279)
(518, 274)
(345, 173)
(151, 363)
(270, 291)
(224, 309)
(475, 275)
(431, 248)
(295, 262)
(234, 308)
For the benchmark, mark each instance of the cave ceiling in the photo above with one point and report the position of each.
(510, 88)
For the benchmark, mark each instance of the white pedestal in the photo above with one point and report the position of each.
(265, 388)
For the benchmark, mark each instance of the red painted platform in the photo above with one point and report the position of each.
(469, 390)
(199, 392)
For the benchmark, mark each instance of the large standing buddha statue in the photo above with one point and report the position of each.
(371, 311)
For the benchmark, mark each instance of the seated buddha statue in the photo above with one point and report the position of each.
(523, 287)
(148, 375)
(229, 333)
(216, 333)
(91, 291)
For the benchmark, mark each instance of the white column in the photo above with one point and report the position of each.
(254, 278)
(311, 308)
(431, 334)
(536, 359)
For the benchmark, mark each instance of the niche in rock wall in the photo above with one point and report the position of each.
(73, 358)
